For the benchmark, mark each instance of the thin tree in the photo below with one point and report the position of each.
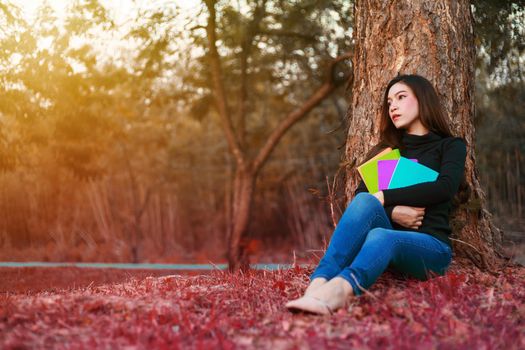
(433, 38)
(248, 167)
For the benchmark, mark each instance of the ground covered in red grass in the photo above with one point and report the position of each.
(464, 309)
(30, 280)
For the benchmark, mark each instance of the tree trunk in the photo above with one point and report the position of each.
(244, 184)
(433, 38)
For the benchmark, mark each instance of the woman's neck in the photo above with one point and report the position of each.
(417, 129)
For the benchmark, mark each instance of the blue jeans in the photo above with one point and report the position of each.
(364, 244)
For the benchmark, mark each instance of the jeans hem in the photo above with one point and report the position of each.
(355, 288)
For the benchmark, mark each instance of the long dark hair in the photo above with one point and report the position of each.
(431, 113)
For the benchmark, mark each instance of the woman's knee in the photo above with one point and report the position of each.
(364, 196)
(364, 200)
(378, 235)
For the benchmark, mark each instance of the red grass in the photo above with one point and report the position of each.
(464, 309)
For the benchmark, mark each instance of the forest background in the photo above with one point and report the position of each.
(111, 150)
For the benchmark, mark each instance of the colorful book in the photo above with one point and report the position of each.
(369, 172)
(385, 170)
(408, 173)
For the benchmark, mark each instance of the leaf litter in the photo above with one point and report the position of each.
(466, 308)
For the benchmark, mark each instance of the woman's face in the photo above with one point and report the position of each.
(403, 107)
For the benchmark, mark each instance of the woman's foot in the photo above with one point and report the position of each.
(324, 300)
(315, 284)
(309, 304)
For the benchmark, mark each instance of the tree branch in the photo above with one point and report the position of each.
(220, 94)
(317, 97)
(246, 47)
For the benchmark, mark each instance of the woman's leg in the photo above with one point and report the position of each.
(414, 253)
(326, 293)
(363, 213)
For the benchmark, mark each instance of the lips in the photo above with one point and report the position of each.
(395, 117)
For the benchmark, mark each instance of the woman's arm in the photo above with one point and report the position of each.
(409, 217)
(441, 190)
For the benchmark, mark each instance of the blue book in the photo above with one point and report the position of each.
(408, 173)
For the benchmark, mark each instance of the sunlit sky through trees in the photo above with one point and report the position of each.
(113, 43)
(121, 9)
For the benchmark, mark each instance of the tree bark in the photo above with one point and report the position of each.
(432, 38)
(244, 185)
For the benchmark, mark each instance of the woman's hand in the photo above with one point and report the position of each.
(409, 217)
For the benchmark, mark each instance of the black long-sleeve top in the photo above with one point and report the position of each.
(446, 155)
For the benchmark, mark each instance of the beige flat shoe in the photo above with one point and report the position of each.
(309, 304)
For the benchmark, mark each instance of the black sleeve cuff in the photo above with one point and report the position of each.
(388, 210)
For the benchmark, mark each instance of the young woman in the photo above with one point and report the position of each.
(406, 228)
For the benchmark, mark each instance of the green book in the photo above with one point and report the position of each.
(368, 170)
